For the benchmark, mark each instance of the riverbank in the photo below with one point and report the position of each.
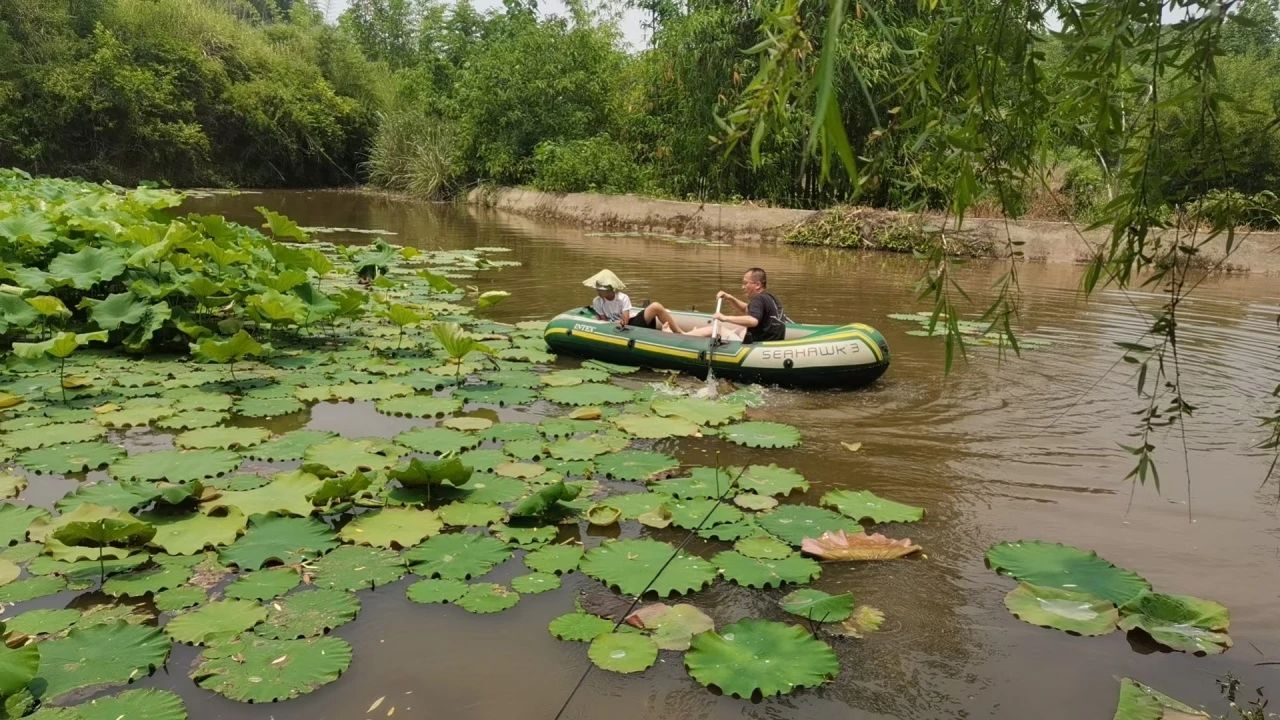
(856, 228)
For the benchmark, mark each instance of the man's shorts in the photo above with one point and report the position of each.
(637, 320)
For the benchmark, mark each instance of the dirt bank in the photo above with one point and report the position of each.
(860, 228)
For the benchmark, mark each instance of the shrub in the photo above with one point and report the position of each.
(598, 164)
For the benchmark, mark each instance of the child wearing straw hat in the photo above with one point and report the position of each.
(612, 304)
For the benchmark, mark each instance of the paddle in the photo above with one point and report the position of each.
(711, 344)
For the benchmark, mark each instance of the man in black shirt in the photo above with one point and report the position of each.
(763, 318)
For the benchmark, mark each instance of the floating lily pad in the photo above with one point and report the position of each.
(144, 704)
(347, 456)
(672, 627)
(1061, 566)
(352, 567)
(1139, 702)
(457, 555)
(762, 435)
(15, 519)
(263, 584)
(486, 488)
(470, 514)
(215, 621)
(635, 465)
(588, 394)
(702, 482)
(699, 411)
(759, 656)
(222, 437)
(754, 502)
(794, 523)
(623, 652)
(254, 669)
(192, 419)
(288, 493)
(41, 622)
(496, 395)
(583, 449)
(73, 458)
(652, 427)
(467, 423)
(437, 441)
(1179, 622)
(487, 598)
(290, 446)
(189, 534)
(280, 539)
(436, 590)
(762, 547)
(759, 573)
(579, 627)
(534, 583)
(866, 505)
(55, 434)
(307, 614)
(702, 512)
(558, 559)
(32, 588)
(629, 565)
(392, 527)
(419, 406)
(138, 584)
(633, 505)
(818, 606)
(1074, 612)
(261, 407)
(176, 466)
(97, 656)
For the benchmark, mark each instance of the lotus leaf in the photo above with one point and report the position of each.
(793, 523)
(1139, 702)
(515, 378)
(288, 493)
(762, 547)
(60, 346)
(671, 627)
(635, 465)
(190, 534)
(238, 347)
(340, 488)
(352, 568)
(121, 496)
(32, 588)
(290, 446)
(652, 427)
(866, 505)
(419, 406)
(603, 515)
(1180, 609)
(503, 432)
(584, 449)
(520, 470)
(347, 456)
(1062, 566)
(470, 514)
(267, 407)
(485, 598)
(437, 441)
(100, 528)
(41, 622)
(702, 482)
(192, 419)
(635, 566)
(818, 606)
(699, 411)
(222, 437)
(457, 556)
(525, 536)
(762, 435)
(47, 306)
(135, 416)
(392, 527)
(485, 488)
(839, 545)
(548, 499)
(534, 583)
(496, 395)
(558, 559)
(96, 656)
(633, 505)
(1074, 612)
(483, 459)
(579, 627)
(436, 472)
(145, 704)
(754, 573)
(623, 652)
(761, 656)
(436, 590)
(71, 458)
(1176, 635)
(588, 394)
(175, 465)
(282, 539)
(254, 669)
(51, 435)
(138, 584)
(702, 512)
(18, 666)
(215, 621)
(467, 423)
(179, 598)
(307, 614)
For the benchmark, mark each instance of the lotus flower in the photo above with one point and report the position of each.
(859, 546)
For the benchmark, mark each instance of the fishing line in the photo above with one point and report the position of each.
(689, 536)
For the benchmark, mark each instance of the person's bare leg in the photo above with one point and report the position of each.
(657, 310)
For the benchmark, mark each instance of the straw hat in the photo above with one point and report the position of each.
(605, 280)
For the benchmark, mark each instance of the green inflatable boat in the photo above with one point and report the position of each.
(819, 356)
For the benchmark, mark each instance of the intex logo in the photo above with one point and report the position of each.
(811, 351)
(584, 328)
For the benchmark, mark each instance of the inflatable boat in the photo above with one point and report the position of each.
(845, 356)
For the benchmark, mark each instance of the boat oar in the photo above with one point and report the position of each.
(711, 345)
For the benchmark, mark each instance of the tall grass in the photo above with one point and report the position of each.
(416, 153)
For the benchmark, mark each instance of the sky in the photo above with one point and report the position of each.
(633, 33)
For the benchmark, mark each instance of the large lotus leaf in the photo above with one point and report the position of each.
(762, 435)
(672, 627)
(419, 406)
(623, 652)
(762, 547)
(699, 411)
(558, 559)
(145, 704)
(521, 470)
(1178, 636)
(11, 484)
(818, 606)
(794, 523)
(752, 656)
(496, 395)
(1074, 612)
(1181, 609)
(1139, 702)
(457, 556)
(469, 514)
(285, 540)
(264, 584)
(487, 488)
(352, 568)
(866, 505)
(840, 545)
(18, 666)
(118, 309)
(121, 496)
(139, 583)
(86, 268)
(97, 656)
(485, 598)
(215, 621)
(191, 419)
(40, 622)
(96, 527)
(635, 465)
(588, 394)
(222, 437)
(702, 482)
(46, 435)
(771, 481)
(340, 488)
(392, 527)
(579, 627)
(630, 565)
(254, 669)
(189, 534)
(175, 465)
(702, 512)
(15, 519)
(436, 590)
(419, 473)
(60, 345)
(533, 583)
(546, 500)
(288, 493)
(238, 347)
(437, 441)
(581, 449)
(526, 537)
(652, 427)
(308, 613)
(754, 573)
(135, 416)
(290, 446)
(32, 588)
(179, 598)
(347, 456)
(1069, 568)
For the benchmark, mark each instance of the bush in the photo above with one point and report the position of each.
(595, 165)
(414, 152)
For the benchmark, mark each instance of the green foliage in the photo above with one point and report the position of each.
(597, 164)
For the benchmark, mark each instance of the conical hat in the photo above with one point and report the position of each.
(605, 280)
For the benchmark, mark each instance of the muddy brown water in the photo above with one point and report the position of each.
(1024, 448)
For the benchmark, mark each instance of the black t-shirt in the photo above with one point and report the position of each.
(767, 311)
